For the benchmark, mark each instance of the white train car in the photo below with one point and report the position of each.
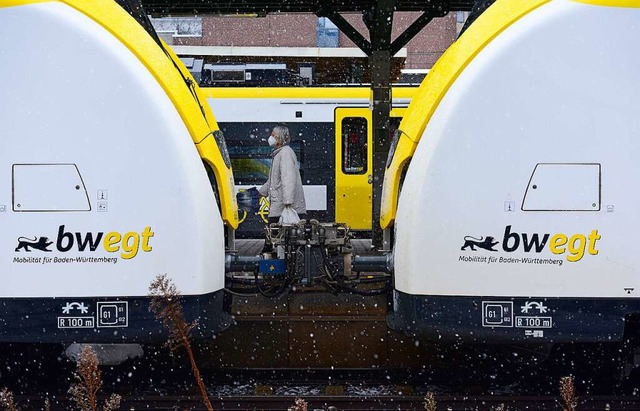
(331, 134)
(103, 183)
(517, 219)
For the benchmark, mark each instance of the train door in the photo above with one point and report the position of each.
(353, 165)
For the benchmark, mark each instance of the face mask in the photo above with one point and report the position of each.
(272, 141)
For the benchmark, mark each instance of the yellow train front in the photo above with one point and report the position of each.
(113, 172)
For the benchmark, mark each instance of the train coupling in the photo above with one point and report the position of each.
(234, 262)
(373, 263)
(309, 253)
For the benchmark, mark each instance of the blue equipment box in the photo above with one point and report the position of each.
(272, 266)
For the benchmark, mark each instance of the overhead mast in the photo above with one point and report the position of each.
(380, 49)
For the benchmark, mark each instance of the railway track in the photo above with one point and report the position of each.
(164, 382)
(348, 403)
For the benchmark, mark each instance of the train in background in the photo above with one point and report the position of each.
(114, 172)
(328, 122)
(331, 136)
(274, 74)
(517, 219)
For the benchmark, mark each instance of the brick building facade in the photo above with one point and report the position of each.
(304, 30)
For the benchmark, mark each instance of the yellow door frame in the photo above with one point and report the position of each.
(354, 189)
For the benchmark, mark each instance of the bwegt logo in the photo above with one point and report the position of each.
(129, 243)
(575, 246)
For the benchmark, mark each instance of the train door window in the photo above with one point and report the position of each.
(354, 145)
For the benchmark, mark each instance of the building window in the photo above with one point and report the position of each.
(327, 33)
(179, 26)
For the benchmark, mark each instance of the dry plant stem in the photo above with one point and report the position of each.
(196, 374)
(568, 393)
(6, 399)
(90, 380)
(165, 303)
(113, 403)
(430, 401)
(85, 392)
(300, 405)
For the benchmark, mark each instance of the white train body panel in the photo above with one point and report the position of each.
(537, 137)
(94, 152)
(283, 110)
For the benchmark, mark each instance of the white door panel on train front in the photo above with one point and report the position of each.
(87, 101)
(563, 187)
(48, 187)
(528, 100)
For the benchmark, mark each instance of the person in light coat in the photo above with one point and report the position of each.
(284, 186)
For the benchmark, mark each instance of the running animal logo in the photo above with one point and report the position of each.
(41, 244)
(473, 242)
